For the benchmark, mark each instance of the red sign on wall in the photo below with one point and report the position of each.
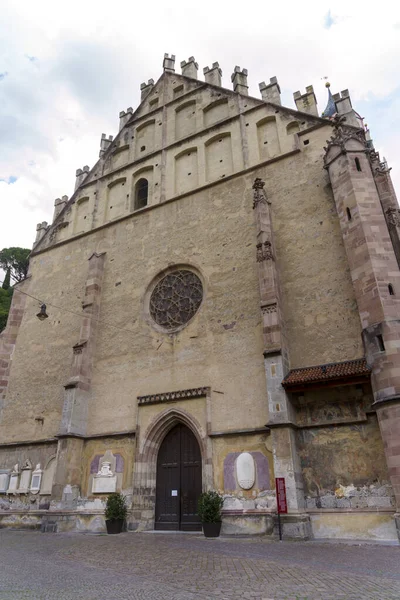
(281, 495)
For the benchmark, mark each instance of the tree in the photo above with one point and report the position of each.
(5, 303)
(6, 282)
(17, 260)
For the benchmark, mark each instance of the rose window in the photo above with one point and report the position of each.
(176, 299)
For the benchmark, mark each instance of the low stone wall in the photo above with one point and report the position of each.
(54, 522)
(354, 525)
(247, 523)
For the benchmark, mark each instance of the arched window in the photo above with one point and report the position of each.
(358, 166)
(141, 193)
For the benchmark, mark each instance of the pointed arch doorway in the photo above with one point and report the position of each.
(178, 481)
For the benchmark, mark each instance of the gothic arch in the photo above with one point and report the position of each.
(145, 470)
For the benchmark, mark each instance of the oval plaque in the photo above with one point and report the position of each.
(245, 470)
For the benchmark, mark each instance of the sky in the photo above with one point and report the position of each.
(68, 68)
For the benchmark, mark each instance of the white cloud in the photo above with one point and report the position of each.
(67, 69)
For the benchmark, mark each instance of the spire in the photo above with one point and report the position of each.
(330, 109)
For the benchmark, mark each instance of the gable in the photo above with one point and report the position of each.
(188, 119)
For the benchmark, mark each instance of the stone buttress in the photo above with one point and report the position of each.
(8, 338)
(375, 275)
(281, 411)
(78, 387)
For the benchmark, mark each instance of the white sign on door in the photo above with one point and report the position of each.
(174, 492)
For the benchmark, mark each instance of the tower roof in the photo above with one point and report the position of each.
(330, 109)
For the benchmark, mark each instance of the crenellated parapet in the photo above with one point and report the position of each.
(81, 175)
(105, 143)
(169, 63)
(306, 102)
(270, 92)
(239, 80)
(213, 75)
(344, 108)
(59, 205)
(124, 116)
(145, 89)
(41, 229)
(190, 68)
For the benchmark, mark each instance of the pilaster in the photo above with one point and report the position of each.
(281, 411)
(78, 387)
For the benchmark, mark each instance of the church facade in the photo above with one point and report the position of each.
(216, 305)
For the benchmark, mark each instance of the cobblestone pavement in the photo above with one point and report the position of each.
(35, 566)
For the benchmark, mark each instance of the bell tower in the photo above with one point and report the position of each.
(375, 275)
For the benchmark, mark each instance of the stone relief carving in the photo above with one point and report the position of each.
(393, 216)
(106, 472)
(342, 134)
(259, 195)
(269, 309)
(264, 251)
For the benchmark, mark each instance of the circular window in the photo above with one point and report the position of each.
(176, 299)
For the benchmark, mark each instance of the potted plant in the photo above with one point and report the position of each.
(209, 510)
(115, 513)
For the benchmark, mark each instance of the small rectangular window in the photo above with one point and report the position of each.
(381, 344)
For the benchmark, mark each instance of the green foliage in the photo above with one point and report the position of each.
(116, 507)
(15, 259)
(7, 279)
(209, 507)
(5, 303)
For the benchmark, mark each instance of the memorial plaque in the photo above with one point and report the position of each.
(4, 478)
(13, 483)
(104, 485)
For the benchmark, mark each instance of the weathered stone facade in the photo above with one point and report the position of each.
(268, 263)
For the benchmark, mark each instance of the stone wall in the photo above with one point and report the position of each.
(344, 466)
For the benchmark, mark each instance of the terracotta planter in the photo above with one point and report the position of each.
(114, 525)
(212, 530)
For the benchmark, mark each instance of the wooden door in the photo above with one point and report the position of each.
(178, 484)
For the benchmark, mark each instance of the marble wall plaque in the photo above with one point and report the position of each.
(4, 479)
(48, 476)
(13, 486)
(25, 481)
(104, 485)
(36, 479)
(245, 470)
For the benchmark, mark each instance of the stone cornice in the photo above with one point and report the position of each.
(173, 396)
(251, 431)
